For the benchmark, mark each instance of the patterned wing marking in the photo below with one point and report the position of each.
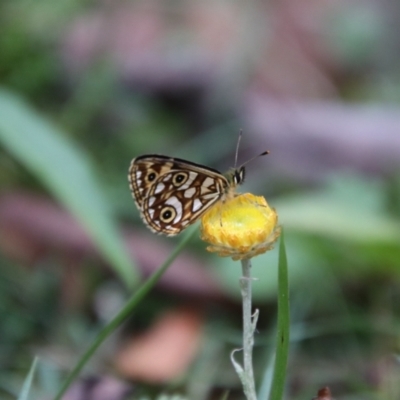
(172, 193)
(143, 173)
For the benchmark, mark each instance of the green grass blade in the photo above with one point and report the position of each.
(26, 387)
(125, 312)
(67, 173)
(282, 342)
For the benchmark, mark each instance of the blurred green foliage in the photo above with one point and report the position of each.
(342, 238)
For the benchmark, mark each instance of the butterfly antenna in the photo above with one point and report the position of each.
(264, 153)
(237, 146)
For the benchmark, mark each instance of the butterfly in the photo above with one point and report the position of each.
(172, 193)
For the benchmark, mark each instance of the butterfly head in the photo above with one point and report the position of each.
(238, 176)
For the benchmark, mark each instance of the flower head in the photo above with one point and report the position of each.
(240, 227)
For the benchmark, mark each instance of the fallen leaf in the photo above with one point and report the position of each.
(165, 351)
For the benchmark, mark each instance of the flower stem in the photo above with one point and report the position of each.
(249, 325)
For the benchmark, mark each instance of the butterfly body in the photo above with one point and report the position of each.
(172, 193)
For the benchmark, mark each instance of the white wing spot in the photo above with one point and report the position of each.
(152, 199)
(138, 174)
(197, 204)
(189, 193)
(210, 196)
(151, 213)
(208, 182)
(174, 202)
(188, 183)
(160, 187)
(138, 182)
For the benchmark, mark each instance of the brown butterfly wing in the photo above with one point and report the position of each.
(173, 193)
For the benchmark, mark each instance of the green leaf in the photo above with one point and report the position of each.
(282, 337)
(26, 387)
(67, 173)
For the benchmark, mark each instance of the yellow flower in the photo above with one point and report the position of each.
(240, 227)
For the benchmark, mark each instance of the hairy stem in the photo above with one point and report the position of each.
(249, 326)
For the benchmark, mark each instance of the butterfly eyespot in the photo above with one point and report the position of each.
(179, 179)
(167, 214)
(151, 177)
